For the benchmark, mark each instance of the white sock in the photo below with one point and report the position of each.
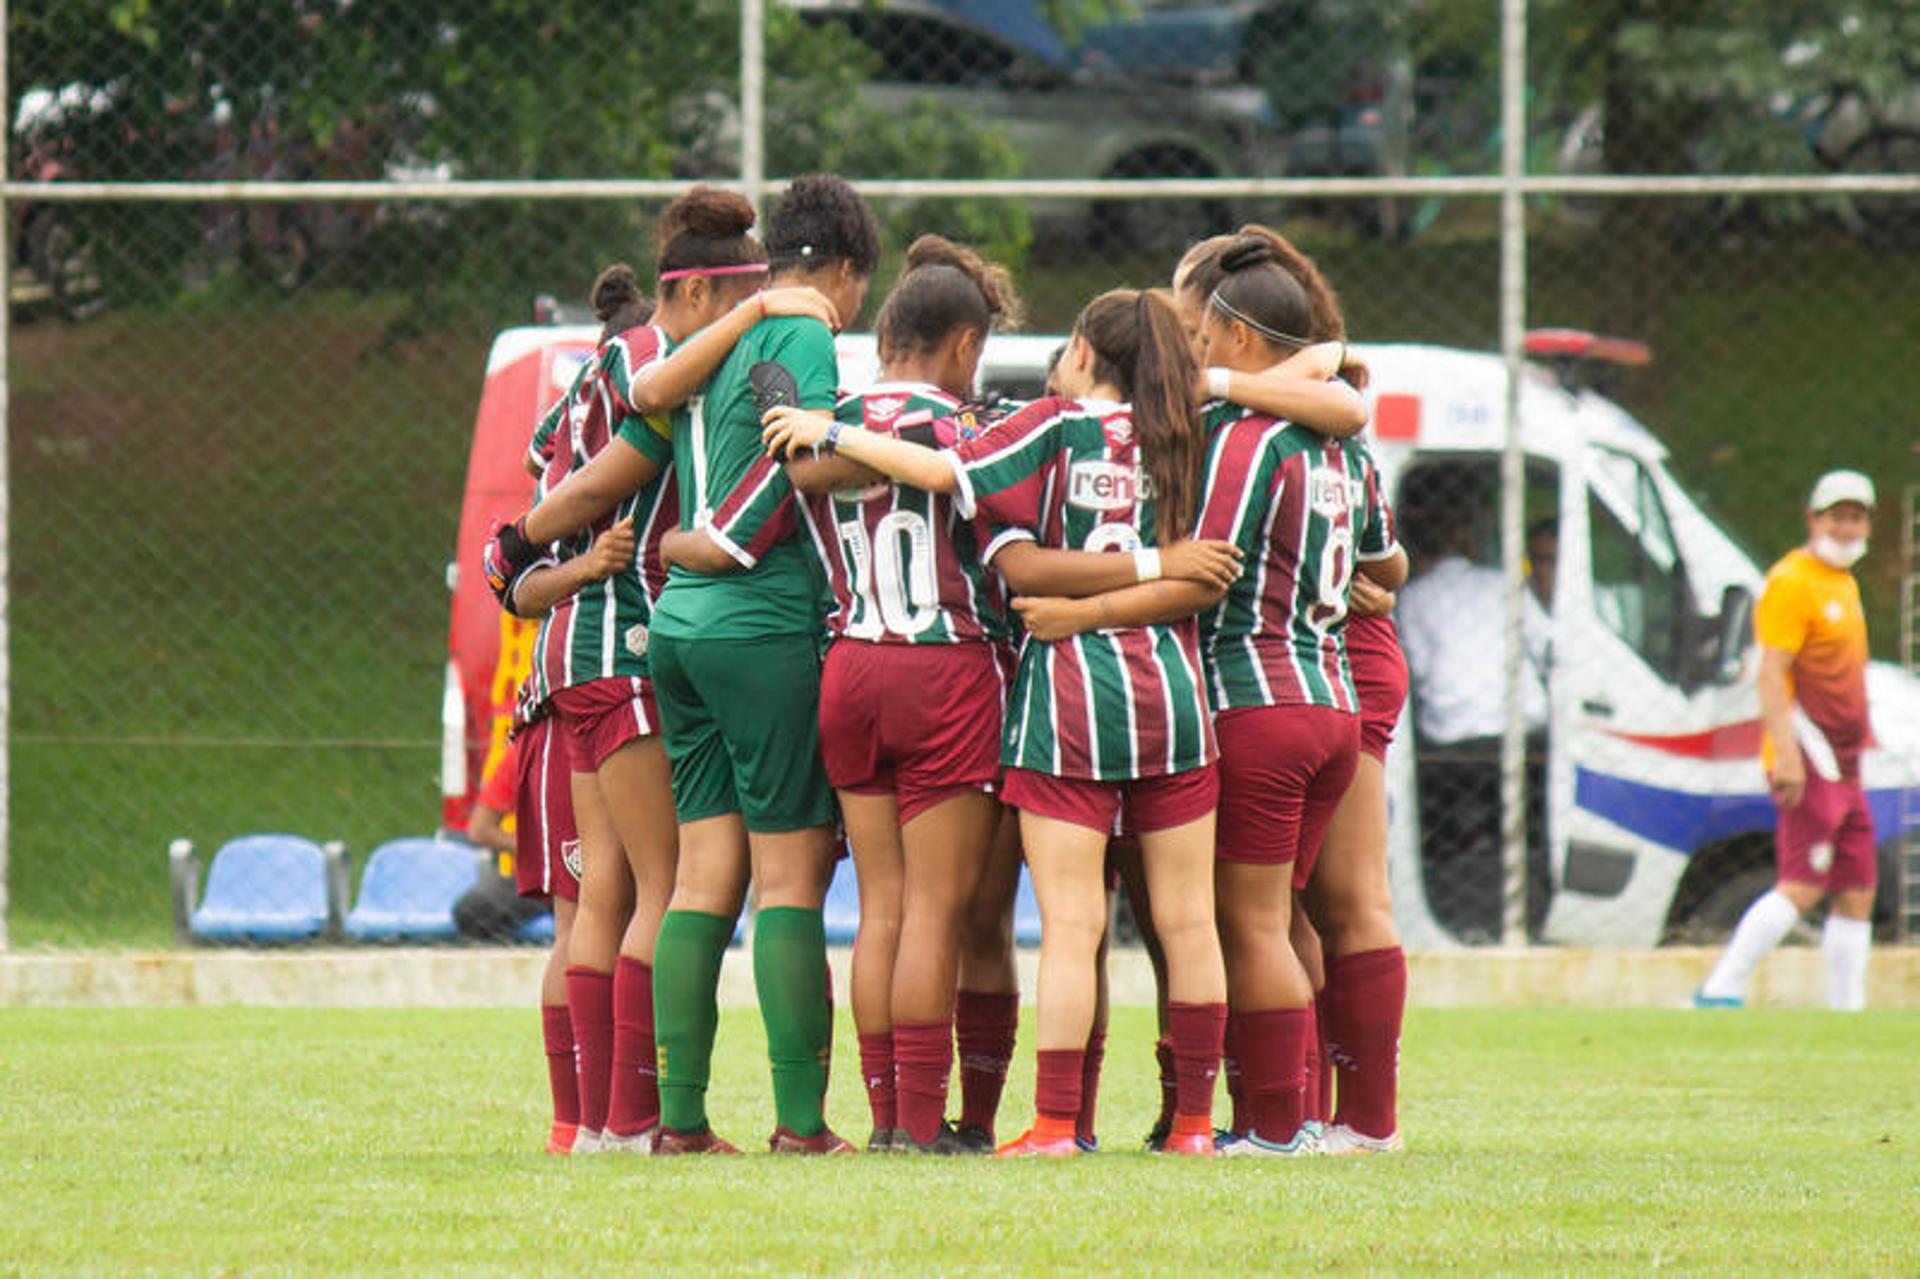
(1846, 942)
(1769, 919)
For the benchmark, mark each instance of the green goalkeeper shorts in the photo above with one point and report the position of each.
(741, 719)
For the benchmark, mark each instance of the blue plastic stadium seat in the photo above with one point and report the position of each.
(409, 889)
(537, 931)
(1026, 912)
(264, 888)
(841, 911)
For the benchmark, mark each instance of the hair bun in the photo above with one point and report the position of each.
(616, 289)
(1246, 252)
(707, 212)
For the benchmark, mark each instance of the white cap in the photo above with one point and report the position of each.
(1836, 487)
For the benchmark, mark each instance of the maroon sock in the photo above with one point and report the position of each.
(1322, 1063)
(1365, 1000)
(1236, 1083)
(590, 1003)
(1197, 1032)
(1273, 1062)
(1169, 1080)
(923, 1062)
(1310, 1088)
(1090, 1083)
(633, 1096)
(1056, 1086)
(876, 1070)
(984, 1025)
(556, 1032)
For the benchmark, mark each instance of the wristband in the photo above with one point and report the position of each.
(1219, 382)
(831, 443)
(1146, 564)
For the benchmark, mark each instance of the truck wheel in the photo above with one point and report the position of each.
(1713, 921)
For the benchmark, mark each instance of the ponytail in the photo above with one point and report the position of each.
(1139, 346)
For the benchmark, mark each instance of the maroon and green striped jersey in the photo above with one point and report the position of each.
(601, 631)
(1107, 705)
(903, 566)
(1303, 508)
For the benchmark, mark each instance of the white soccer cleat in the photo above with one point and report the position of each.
(588, 1142)
(1308, 1141)
(639, 1143)
(1342, 1140)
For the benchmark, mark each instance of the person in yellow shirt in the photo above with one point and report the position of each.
(1813, 702)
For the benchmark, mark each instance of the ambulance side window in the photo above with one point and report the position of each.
(1638, 589)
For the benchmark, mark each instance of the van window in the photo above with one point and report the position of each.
(1638, 589)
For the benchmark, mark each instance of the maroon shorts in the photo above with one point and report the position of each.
(1828, 839)
(1283, 770)
(602, 715)
(1380, 678)
(919, 722)
(546, 858)
(1150, 803)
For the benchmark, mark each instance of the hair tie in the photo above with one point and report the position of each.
(744, 268)
(1227, 309)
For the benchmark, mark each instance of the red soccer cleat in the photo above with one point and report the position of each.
(705, 1142)
(1030, 1144)
(1188, 1143)
(560, 1138)
(785, 1141)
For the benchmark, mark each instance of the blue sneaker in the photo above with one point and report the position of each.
(1701, 999)
(1088, 1145)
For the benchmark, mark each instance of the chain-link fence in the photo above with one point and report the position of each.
(239, 418)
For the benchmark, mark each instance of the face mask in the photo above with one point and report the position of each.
(1832, 551)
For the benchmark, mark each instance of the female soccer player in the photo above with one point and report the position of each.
(911, 690)
(1363, 1000)
(1103, 719)
(592, 655)
(736, 663)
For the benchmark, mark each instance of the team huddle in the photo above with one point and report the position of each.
(1134, 634)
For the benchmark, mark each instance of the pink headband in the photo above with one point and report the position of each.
(745, 268)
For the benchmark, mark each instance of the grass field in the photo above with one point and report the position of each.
(226, 1140)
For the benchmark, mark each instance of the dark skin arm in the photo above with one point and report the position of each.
(691, 548)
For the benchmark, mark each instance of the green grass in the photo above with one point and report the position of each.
(219, 1140)
(230, 520)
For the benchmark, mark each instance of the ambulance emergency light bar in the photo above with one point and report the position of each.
(1581, 359)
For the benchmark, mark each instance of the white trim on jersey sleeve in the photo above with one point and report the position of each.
(740, 554)
(963, 499)
(1002, 540)
(1364, 558)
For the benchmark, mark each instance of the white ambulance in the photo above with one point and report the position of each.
(1650, 818)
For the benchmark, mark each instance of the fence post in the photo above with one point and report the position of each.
(6, 480)
(753, 100)
(1513, 320)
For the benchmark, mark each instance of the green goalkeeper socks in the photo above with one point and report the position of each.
(790, 974)
(686, 977)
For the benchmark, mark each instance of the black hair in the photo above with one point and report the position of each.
(618, 302)
(706, 227)
(944, 288)
(818, 220)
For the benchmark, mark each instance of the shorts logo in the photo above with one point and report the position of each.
(1820, 857)
(1103, 486)
(636, 639)
(570, 857)
(1329, 490)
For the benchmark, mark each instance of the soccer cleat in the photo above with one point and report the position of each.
(1342, 1140)
(785, 1141)
(1028, 1145)
(560, 1138)
(586, 1141)
(704, 1142)
(1701, 999)
(1303, 1143)
(633, 1143)
(1188, 1143)
(975, 1139)
(1088, 1145)
(887, 1141)
(1157, 1135)
(944, 1142)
